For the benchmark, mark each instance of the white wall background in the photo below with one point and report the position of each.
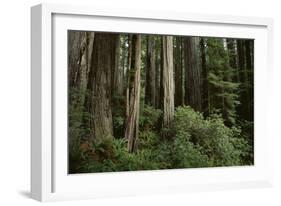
(15, 102)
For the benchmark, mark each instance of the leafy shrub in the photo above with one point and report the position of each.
(118, 159)
(118, 117)
(149, 117)
(224, 146)
(148, 139)
(148, 122)
(188, 155)
(195, 142)
(118, 126)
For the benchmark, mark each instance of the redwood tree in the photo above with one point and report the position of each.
(102, 62)
(205, 83)
(178, 71)
(150, 89)
(167, 81)
(192, 74)
(132, 120)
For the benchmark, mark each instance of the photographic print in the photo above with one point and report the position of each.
(150, 102)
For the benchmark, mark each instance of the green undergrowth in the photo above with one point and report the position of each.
(192, 142)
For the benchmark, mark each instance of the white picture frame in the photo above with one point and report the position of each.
(49, 178)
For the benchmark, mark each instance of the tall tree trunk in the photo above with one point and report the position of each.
(243, 108)
(249, 48)
(80, 46)
(124, 61)
(178, 72)
(116, 78)
(183, 70)
(87, 120)
(128, 73)
(132, 122)
(85, 64)
(103, 59)
(192, 74)
(161, 88)
(90, 43)
(116, 70)
(75, 52)
(158, 71)
(150, 72)
(205, 82)
(228, 105)
(241, 60)
(167, 81)
(233, 58)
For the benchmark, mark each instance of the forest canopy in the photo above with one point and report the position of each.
(146, 102)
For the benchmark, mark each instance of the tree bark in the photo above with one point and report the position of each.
(205, 82)
(178, 72)
(85, 64)
(167, 81)
(128, 73)
(75, 52)
(249, 46)
(117, 87)
(80, 46)
(243, 108)
(233, 58)
(102, 62)
(158, 71)
(150, 72)
(124, 62)
(249, 59)
(227, 102)
(87, 120)
(192, 74)
(241, 60)
(132, 122)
